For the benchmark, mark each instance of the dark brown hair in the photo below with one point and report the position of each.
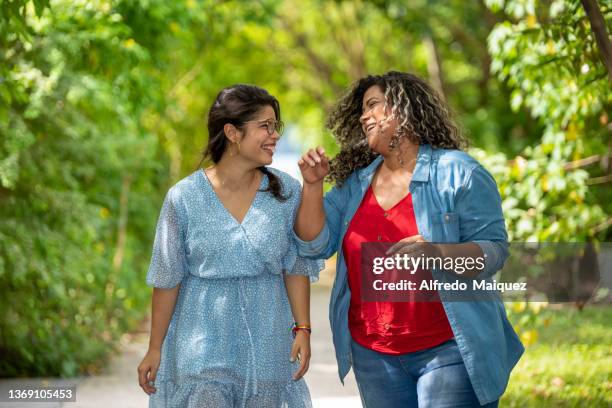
(423, 118)
(238, 104)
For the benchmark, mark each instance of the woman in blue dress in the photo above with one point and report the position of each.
(228, 284)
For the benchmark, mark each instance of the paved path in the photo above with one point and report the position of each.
(117, 386)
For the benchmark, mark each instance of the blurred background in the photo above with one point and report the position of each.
(103, 107)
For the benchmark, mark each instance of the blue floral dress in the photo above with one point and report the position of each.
(229, 340)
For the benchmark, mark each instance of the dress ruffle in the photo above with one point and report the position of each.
(223, 390)
(295, 265)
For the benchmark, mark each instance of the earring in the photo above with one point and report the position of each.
(234, 152)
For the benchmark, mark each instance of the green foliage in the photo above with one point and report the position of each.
(71, 148)
(103, 104)
(549, 58)
(570, 365)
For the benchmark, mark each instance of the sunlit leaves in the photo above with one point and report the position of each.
(548, 55)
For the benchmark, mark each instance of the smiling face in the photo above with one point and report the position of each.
(376, 121)
(256, 144)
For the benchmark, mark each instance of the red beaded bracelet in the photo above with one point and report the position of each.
(304, 327)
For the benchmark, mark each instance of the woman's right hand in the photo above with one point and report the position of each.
(314, 165)
(147, 370)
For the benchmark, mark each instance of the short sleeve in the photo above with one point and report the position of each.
(296, 265)
(292, 263)
(168, 261)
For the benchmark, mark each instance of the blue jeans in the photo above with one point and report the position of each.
(432, 378)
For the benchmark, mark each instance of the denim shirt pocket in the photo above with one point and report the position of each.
(445, 227)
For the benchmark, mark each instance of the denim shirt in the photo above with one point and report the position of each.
(455, 200)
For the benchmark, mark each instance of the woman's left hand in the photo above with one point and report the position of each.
(414, 247)
(301, 352)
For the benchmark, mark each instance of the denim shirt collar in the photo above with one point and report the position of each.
(421, 170)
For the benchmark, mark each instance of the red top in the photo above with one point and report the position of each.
(389, 327)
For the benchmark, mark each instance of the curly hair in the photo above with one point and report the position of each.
(422, 116)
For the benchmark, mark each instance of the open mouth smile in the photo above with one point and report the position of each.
(270, 148)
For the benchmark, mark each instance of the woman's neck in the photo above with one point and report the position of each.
(405, 161)
(233, 173)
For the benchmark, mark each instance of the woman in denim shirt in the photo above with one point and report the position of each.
(401, 177)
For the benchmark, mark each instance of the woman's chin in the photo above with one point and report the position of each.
(266, 161)
(372, 144)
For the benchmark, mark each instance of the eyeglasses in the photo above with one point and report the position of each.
(271, 126)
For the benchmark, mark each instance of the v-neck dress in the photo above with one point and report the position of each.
(229, 340)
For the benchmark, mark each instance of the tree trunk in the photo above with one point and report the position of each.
(598, 25)
(122, 227)
(434, 67)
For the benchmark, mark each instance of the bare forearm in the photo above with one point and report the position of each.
(162, 308)
(298, 292)
(311, 214)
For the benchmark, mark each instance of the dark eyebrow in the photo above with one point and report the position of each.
(367, 102)
(370, 100)
(262, 121)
